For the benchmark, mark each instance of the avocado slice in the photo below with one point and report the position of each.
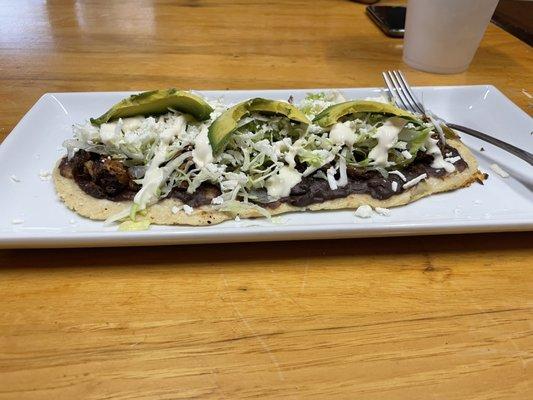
(221, 129)
(157, 102)
(332, 114)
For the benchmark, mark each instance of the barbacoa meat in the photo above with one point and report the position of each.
(99, 176)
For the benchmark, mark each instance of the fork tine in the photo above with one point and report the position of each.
(410, 93)
(391, 88)
(403, 89)
(399, 90)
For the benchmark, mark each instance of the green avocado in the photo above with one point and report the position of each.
(157, 102)
(221, 129)
(332, 114)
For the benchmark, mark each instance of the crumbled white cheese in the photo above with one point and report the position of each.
(132, 123)
(364, 211)
(394, 186)
(293, 151)
(313, 106)
(109, 133)
(449, 154)
(217, 200)
(14, 178)
(400, 145)
(17, 221)
(237, 218)
(342, 134)
(281, 183)
(414, 181)
(496, 168)
(382, 211)
(264, 146)
(174, 209)
(72, 222)
(45, 175)
(407, 155)
(188, 209)
(452, 160)
(380, 99)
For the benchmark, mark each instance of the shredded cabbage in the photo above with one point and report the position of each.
(314, 103)
(159, 152)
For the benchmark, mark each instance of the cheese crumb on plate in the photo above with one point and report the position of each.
(45, 175)
(496, 168)
(382, 211)
(364, 211)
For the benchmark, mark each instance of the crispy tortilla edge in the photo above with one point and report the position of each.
(161, 213)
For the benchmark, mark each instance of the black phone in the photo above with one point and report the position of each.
(390, 19)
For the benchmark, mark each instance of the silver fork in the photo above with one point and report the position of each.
(404, 98)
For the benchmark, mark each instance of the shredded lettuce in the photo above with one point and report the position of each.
(314, 103)
(159, 153)
(129, 226)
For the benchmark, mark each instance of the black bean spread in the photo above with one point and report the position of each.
(105, 178)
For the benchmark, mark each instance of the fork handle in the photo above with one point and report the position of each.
(524, 155)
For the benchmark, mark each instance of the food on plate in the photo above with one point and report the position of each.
(173, 157)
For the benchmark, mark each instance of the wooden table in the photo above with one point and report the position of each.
(404, 318)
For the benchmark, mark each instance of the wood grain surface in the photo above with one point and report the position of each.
(401, 318)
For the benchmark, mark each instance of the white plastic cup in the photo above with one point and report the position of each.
(442, 36)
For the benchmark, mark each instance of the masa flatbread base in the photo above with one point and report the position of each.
(161, 213)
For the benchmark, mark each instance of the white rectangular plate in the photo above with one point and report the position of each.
(32, 216)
